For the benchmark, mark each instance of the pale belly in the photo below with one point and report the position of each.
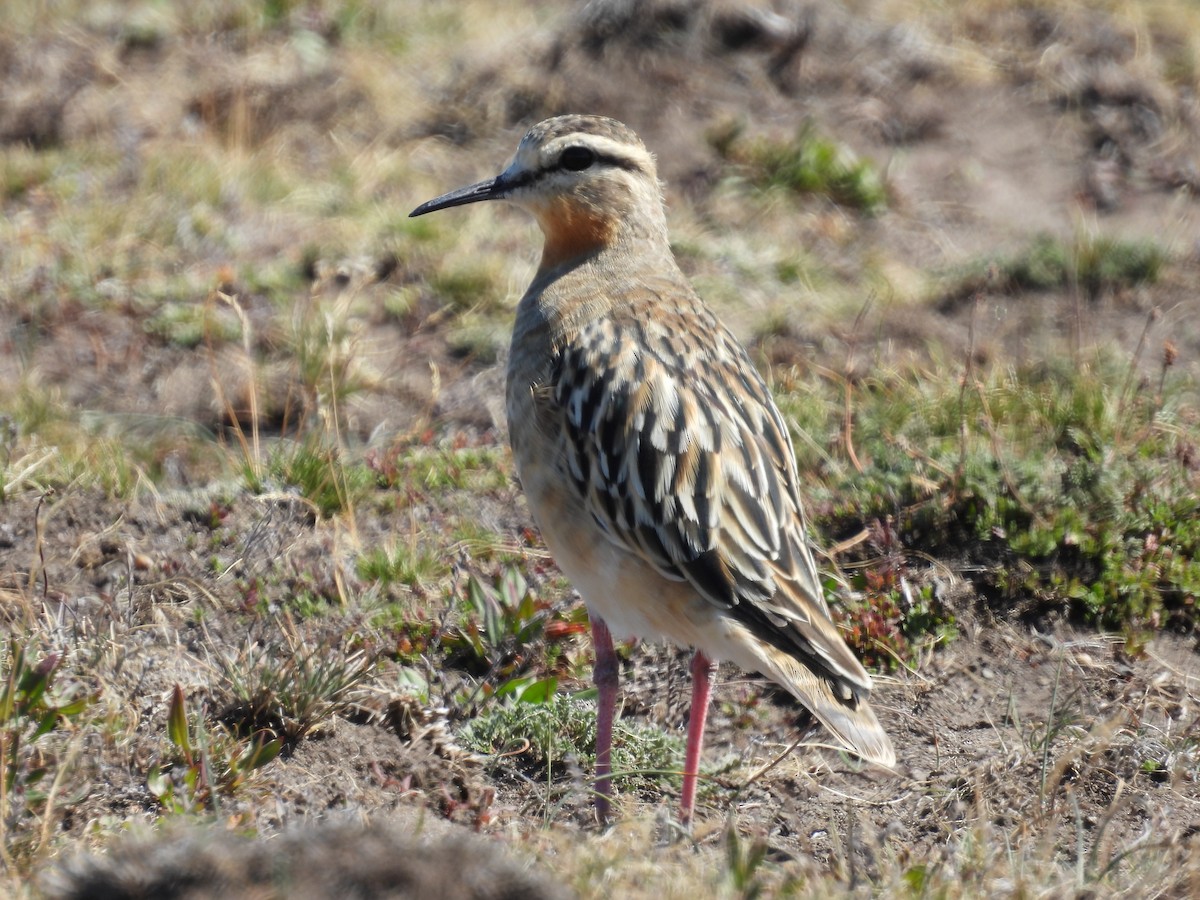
(633, 598)
(618, 586)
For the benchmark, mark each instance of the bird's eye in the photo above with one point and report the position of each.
(577, 158)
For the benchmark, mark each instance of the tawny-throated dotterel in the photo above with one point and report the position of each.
(656, 463)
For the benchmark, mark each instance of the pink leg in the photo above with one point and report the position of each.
(605, 677)
(703, 673)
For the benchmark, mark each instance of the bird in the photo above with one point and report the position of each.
(655, 461)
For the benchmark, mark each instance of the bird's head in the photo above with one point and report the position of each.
(588, 180)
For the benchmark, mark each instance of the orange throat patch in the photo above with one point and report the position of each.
(572, 230)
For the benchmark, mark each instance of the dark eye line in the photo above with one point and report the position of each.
(617, 161)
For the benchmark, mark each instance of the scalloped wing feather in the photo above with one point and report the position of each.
(684, 459)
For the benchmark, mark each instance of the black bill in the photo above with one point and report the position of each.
(485, 190)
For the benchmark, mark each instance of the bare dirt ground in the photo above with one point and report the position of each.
(1027, 739)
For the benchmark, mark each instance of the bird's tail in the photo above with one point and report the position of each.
(850, 719)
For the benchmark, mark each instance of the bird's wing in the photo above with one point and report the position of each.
(683, 458)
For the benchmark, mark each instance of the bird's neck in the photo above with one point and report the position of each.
(573, 234)
(578, 233)
(595, 284)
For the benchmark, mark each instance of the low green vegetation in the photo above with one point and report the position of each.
(208, 764)
(1093, 263)
(1065, 483)
(420, 466)
(321, 473)
(888, 620)
(808, 163)
(467, 287)
(288, 691)
(549, 733)
(45, 445)
(509, 637)
(190, 324)
(403, 563)
(38, 712)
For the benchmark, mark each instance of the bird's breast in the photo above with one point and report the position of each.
(573, 230)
